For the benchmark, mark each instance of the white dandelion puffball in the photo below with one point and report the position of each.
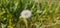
(26, 13)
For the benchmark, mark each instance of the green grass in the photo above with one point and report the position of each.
(44, 12)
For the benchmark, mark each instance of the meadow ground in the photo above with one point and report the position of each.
(29, 14)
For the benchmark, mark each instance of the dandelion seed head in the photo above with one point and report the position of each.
(26, 13)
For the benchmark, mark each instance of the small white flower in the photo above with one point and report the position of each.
(26, 13)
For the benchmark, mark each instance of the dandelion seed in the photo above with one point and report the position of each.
(26, 13)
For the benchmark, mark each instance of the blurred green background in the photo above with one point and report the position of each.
(45, 13)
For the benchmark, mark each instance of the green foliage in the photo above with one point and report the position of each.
(44, 12)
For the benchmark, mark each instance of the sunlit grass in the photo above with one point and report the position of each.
(44, 13)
